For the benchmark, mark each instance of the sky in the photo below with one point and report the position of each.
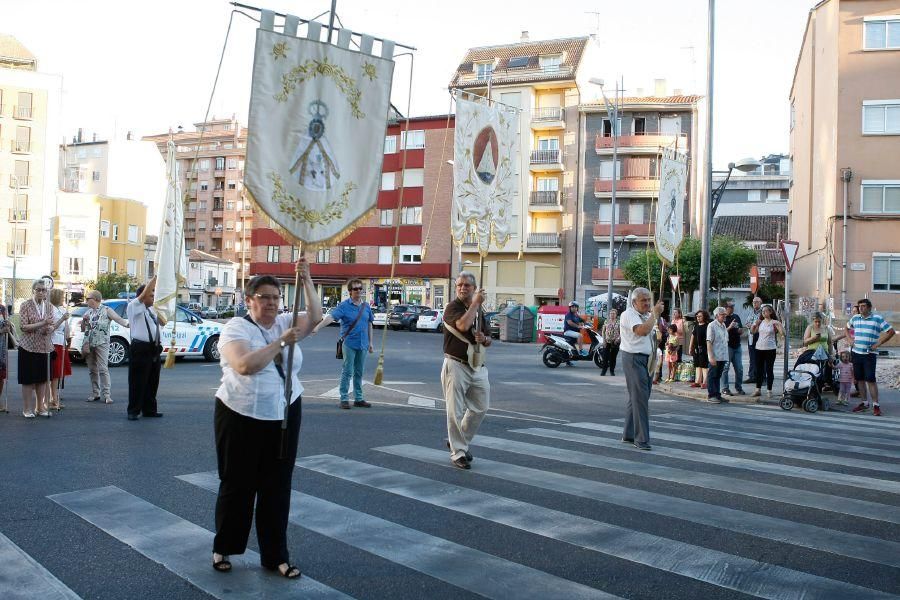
(147, 67)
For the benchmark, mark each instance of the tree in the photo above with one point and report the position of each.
(112, 284)
(769, 293)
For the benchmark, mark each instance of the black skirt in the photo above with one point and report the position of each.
(33, 367)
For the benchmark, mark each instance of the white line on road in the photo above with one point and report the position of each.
(865, 420)
(419, 401)
(575, 383)
(334, 392)
(717, 568)
(403, 383)
(439, 558)
(23, 578)
(182, 547)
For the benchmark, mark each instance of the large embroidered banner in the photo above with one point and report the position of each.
(670, 207)
(171, 266)
(485, 184)
(315, 138)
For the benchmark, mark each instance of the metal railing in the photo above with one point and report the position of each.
(470, 240)
(19, 249)
(553, 113)
(516, 72)
(545, 157)
(543, 240)
(644, 139)
(544, 198)
(18, 215)
(24, 181)
(22, 112)
(19, 146)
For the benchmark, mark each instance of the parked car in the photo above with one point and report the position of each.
(404, 316)
(209, 312)
(193, 336)
(493, 319)
(431, 320)
(328, 311)
(194, 307)
(379, 317)
(226, 312)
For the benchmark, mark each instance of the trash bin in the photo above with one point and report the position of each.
(516, 324)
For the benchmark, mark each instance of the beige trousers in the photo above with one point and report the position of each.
(467, 394)
(98, 367)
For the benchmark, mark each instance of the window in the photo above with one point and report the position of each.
(348, 254)
(272, 254)
(754, 196)
(606, 211)
(23, 139)
(483, 70)
(104, 229)
(204, 164)
(133, 234)
(229, 225)
(295, 253)
(232, 185)
(103, 264)
(411, 254)
(151, 270)
(115, 236)
(74, 234)
(551, 64)
(880, 197)
(387, 217)
(886, 272)
(74, 266)
(882, 33)
(202, 205)
(131, 267)
(548, 184)
(411, 215)
(204, 185)
(606, 169)
(201, 225)
(113, 265)
(390, 144)
(606, 126)
(414, 139)
(639, 125)
(96, 176)
(776, 195)
(220, 163)
(413, 177)
(551, 143)
(384, 255)
(23, 108)
(232, 163)
(229, 244)
(387, 181)
(881, 117)
(519, 62)
(636, 213)
(323, 255)
(229, 205)
(603, 258)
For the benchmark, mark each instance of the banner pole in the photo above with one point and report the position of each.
(288, 374)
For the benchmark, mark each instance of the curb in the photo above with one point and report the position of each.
(701, 396)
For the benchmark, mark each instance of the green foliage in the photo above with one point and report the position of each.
(730, 262)
(112, 284)
(769, 292)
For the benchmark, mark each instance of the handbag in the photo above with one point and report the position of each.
(474, 352)
(339, 349)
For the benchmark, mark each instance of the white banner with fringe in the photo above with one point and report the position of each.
(670, 206)
(171, 265)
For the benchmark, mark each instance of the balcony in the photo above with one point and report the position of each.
(191, 174)
(246, 214)
(600, 275)
(22, 112)
(643, 231)
(543, 240)
(219, 173)
(215, 233)
(546, 160)
(638, 187)
(190, 233)
(544, 201)
(218, 194)
(532, 74)
(20, 147)
(639, 143)
(218, 212)
(546, 118)
(24, 181)
(18, 216)
(20, 249)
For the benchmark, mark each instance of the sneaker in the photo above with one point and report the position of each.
(741, 392)
(756, 394)
(345, 404)
(362, 404)
(28, 415)
(93, 399)
(714, 400)
(861, 407)
(876, 411)
(642, 445)
(460, 463)
(45, 413)
(727, 392)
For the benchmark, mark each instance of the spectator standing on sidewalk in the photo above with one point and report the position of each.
(95, 347)
(754, 317)
(717, 352)
(146, 347)
(60, 366)
(678, 322)
(611, 342)
(735, 328)
(868, 331)
(768, 328)
(37, 324)
(5, 337)
(636, 325)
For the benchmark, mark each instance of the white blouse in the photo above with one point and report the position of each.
(59, 334)
(260, 395)
(767, 333)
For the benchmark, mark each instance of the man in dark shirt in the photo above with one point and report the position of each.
(734, 326)
(466, 390)
(572, 328)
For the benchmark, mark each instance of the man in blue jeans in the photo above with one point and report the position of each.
(734, 327)
(355, 318)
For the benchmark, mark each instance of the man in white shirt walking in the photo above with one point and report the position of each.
(145, 362)
(635, 327)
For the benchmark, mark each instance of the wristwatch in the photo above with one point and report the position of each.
(283, 343)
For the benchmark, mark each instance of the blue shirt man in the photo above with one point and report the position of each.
(355, 317)
(869, 331)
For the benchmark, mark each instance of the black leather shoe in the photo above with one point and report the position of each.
(152, 415)
(362, 404)
(468, 454)
(627, 440)
(461, 463)
(133, 417)
(642, 445)
(345, 405)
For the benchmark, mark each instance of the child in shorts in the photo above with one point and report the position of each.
(845, 378)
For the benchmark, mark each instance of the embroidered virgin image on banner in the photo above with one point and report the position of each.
(315, 140)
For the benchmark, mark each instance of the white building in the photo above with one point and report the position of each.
(211, 280)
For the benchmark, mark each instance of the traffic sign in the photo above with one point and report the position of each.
(754, 279)
(789, 250)
(675, 279)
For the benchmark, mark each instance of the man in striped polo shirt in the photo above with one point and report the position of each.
(868, 332)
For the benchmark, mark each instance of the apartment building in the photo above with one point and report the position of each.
(762, 192)
(30, 104)
(845, 141)
(545, 79)
(211, 280)
(217, 219)
(646, 125)
(420, 196)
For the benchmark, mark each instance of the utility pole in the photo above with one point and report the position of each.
(707, 200)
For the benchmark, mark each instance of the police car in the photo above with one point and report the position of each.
(193, 337)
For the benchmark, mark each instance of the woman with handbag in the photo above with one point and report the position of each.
(37, 323)
(250, 406)
(60, 365)
(95, 348)
(698, 349)
(611, 341)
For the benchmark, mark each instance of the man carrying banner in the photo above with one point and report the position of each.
(635, 328)
(144, 366)
(466, 389)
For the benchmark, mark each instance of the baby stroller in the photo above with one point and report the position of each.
(804, 383)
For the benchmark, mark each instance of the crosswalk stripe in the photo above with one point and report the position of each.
(780, 530)
(796, 432)
(865, 419)
(755, 489)
(755, 448)
(728, 571)
(182, 547)
(439, 558)
(23, 578)
(780, 439)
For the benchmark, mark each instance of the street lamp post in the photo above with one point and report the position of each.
(613, 112)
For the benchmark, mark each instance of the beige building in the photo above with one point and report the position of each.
(29, 134)
(546, 80)
(845, 144)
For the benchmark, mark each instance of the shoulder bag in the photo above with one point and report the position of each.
(474, 352)
(339, 349)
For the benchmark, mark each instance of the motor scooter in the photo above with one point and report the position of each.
(558, 350)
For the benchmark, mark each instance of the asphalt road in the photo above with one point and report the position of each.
(734, 500)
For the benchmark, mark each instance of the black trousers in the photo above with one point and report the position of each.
(611, 351)
(143, 377)
(249, 469)
(765, 368)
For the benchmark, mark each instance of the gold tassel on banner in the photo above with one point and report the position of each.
(170, 355)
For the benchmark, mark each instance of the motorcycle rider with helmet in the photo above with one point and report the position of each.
(572, 328)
